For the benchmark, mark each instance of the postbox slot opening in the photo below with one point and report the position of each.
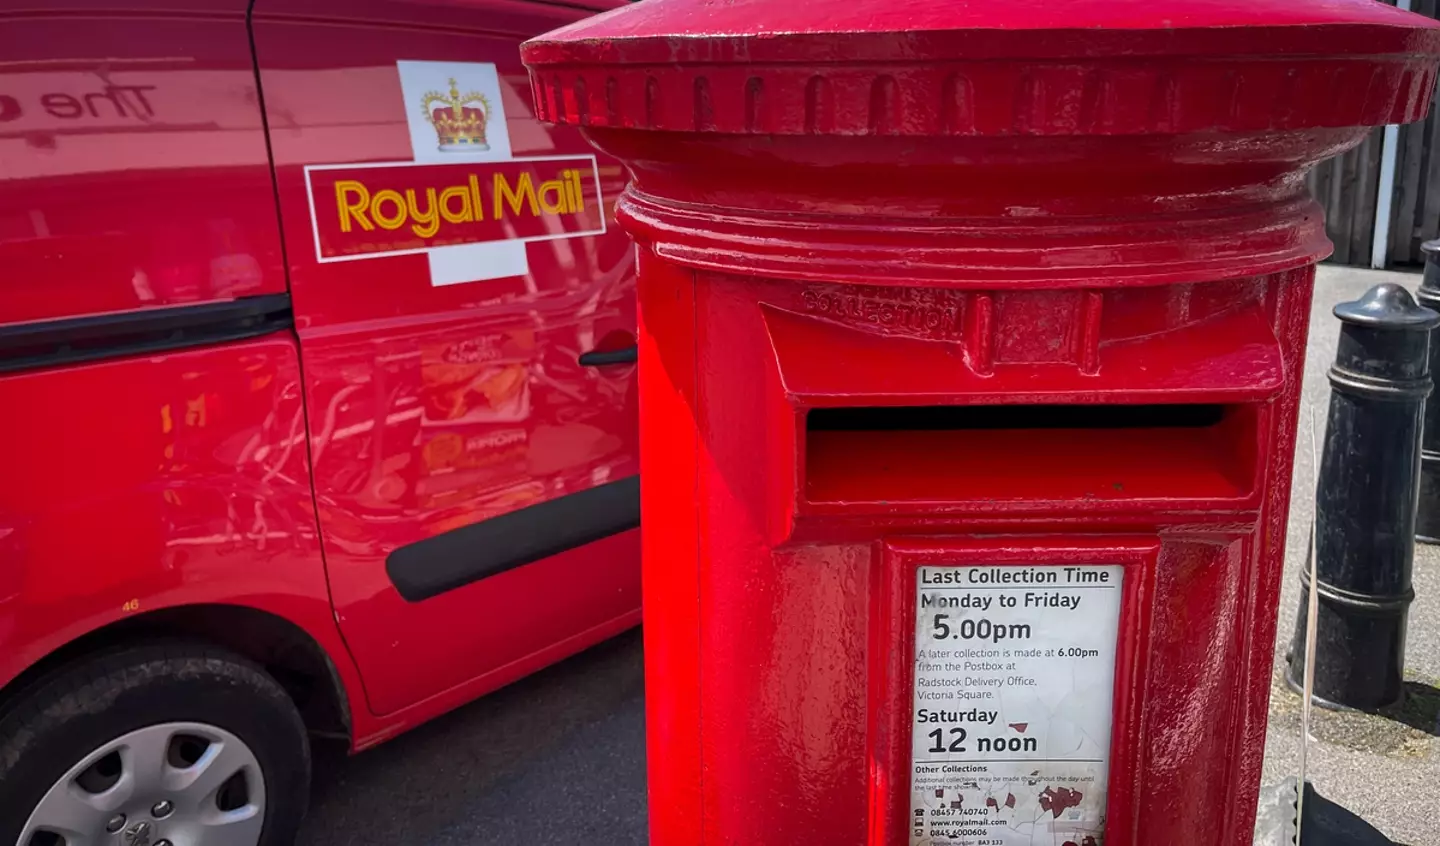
(967, 417)
(1031, 453)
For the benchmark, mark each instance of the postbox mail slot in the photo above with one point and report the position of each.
(1035, 455)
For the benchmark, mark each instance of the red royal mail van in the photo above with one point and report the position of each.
(317, 403)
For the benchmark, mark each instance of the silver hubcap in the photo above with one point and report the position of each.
(186, 784)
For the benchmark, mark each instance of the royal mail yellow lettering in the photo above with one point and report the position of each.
(577, 194)
(524, 192)
(387, 219)
(352, 208)
(555, 196)
(477, 203)
(425, 211)
(464, 213)
(427, 222)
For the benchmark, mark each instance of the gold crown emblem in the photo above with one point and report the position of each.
(459, 119)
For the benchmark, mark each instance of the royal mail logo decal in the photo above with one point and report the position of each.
(464, 200)
(373, 210)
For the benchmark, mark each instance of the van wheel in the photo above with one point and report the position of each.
(175, 743)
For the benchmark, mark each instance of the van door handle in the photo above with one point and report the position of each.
(603, 358)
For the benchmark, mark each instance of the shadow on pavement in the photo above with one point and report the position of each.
(1420, 709)
(558, 757)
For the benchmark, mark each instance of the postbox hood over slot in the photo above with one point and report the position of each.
(1232, 358)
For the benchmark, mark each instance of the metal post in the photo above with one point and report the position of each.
(1365, 502)
(1385, 196)
(1427, 516)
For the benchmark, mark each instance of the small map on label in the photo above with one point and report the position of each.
(1013, 704)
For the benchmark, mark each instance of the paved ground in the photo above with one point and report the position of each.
(559, 757)
(1372, 765)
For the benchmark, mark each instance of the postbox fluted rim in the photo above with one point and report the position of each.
(661, 66)
(1214, 43)
(680, 31)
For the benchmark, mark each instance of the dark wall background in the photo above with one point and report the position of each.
(1347, 186)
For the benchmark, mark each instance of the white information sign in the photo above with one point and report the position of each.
(1014, 696)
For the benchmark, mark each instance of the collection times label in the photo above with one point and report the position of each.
(1013, 703)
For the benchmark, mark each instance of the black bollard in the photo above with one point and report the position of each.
(1427, 516)
(1365, 502)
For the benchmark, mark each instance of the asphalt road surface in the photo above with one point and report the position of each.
(557, 758)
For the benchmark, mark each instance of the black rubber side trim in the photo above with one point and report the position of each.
(50, 343)
(471, 553)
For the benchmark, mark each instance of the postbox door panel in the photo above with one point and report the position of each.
(451, 260)
(840, 683)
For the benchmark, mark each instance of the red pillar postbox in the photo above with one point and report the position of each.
(971, 340)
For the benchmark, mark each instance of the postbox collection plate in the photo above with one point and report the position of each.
(1014, 687)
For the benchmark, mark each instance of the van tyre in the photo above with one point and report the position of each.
(169, 742)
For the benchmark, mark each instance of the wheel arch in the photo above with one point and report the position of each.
(284, 649)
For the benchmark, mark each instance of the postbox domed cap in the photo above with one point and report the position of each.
(937, 67)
